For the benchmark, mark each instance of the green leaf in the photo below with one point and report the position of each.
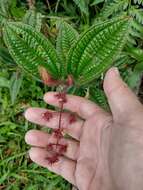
(96, 50)
(4, 82)
(140, 2)
(66, 38)
(113, 7)
(4, 7)
(5, 56)
(136, 53)
(4, 177)
(98, 96)
(135, 34)
(123, 60)
(15, 10)
(137, 26)
(136, 13)
(30, 49)
(33, 18)
(15, 84)
(134, 80)
(95, 2)
(139, 67)
(83, 5)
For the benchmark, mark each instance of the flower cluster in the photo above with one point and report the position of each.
(59, 147)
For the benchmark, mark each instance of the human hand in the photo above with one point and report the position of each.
(107, 150)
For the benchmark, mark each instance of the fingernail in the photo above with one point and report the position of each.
(48, 97)
(115, 71)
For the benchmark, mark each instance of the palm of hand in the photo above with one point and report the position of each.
(92, 157)
(93, 151)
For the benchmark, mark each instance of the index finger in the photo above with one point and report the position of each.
(83, 107)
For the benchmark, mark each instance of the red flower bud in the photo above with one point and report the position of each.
(47, 78)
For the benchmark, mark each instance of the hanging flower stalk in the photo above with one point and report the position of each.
(58, 147)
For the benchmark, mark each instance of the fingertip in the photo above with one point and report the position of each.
(49, 97)
(110, 76)
(33, 154)
(113, 71)
(28, 112)
(120, 97)
(30, 137)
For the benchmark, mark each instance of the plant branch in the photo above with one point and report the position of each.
(31, 3)
(48, 5)
(57, 5)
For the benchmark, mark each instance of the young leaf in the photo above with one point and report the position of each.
(34, 19)
(95, 50)
(15, 84)
(66, 38)
(30, 49)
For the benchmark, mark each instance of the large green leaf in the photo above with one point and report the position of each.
(96, 49)
(30, 49)
(66, 38)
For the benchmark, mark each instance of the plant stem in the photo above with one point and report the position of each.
(48, 5)
(60, 116)
(57, 4)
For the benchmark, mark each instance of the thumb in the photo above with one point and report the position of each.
(123, 102)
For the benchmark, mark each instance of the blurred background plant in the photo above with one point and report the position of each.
(19, 90)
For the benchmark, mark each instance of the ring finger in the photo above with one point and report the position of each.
(41, 139)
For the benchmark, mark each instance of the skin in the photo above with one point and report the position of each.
(106, 152)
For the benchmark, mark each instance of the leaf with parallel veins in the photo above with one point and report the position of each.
(30, 49)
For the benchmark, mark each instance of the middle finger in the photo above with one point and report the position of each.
(74, 128)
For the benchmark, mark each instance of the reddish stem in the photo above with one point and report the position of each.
(72, 118)
(57, 147)
(62, 100)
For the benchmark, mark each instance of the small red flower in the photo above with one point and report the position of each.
(47, 115)
(61, 96)
(53, 159)
(57, 133)
(50, 147)
(72, 118)
(62, 148)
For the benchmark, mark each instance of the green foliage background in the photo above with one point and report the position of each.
(19, 90)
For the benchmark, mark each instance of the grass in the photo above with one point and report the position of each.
(16, 169)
